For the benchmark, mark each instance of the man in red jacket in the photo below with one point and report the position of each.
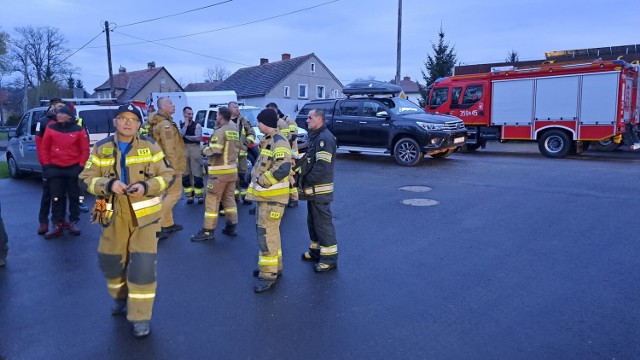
(41, 126)
(65, 149)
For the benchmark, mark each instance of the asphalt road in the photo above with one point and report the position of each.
(521, 257)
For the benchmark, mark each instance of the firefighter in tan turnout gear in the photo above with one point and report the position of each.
(165, 132)
(247, 137)
(269, 187)
(222, 152)
(191, 133)
(289, 129)
(127, 172)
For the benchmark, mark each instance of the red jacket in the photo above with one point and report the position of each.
(65, 145)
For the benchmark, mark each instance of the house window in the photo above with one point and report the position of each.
(162, 80)
(286, 92)
(335, 93)
(302, 91)
(313, 68)
(320, 92)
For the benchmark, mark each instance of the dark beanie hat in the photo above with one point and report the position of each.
(66, 110)
(269, 117)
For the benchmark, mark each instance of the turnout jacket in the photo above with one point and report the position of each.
(247, 134)
(315, 182)
(270, 173)
(222, 152)
(165, 132)
(145, 164)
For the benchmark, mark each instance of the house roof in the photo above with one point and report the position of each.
(408, 85)
(132, 82)
(256, 81)
(205, 86)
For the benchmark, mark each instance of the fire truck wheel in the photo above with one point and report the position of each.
(555, 144)
(407, 152)
(605, 145)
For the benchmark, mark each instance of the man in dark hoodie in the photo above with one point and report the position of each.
(45, 203)
(65, 150)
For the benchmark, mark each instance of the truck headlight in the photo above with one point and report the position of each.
(430, 126)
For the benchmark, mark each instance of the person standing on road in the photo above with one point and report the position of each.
(65, 148)
(247, 137)
(269, 187)
(128, 172)
(191, 133)
(222, 152)
(290, 130)
(165, 132)
(45, 203)
(316, 187)
(81, 206)
(4, 240)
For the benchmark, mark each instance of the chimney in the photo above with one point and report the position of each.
(122, 69)
(264, 61)
(407, 78)
(151, 65)
(286, 56)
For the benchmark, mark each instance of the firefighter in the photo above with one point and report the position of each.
(165, 132)
(270, 189)
(222, 153)
(290, 130)
(191, 133)
(247, 137)
(127, 172)
(316, 187)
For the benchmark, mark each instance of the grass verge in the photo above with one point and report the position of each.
(4, 170)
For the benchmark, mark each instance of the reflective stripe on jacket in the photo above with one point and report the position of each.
(270, 174)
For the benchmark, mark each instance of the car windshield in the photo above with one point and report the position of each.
(99, 120)
(251, 115)
(400, 106)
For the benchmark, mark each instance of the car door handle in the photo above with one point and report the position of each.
(385, 124)
(362, 122)
(339, 121)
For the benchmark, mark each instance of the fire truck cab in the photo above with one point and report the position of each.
(564, 107)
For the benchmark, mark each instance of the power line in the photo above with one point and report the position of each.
(82, 47)
(180, 13)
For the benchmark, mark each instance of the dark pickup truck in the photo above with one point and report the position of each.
(373, 119)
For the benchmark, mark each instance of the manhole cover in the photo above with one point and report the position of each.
(420, 202)
(416, 188)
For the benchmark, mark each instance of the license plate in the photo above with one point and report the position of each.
(458, 140)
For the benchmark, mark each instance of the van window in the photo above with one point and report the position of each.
(98, 121)
(211, 120)
(472, 94)
(455, 95)
(439, 97)
(200, 115)
(22, 129)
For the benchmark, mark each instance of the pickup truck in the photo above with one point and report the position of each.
(372, 118)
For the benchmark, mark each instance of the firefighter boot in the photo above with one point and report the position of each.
(119, 307)
(256, 272)
(141, 329)
(55, 232)
(322, 267)
(263, 285)
(230, 229)
(203, 235)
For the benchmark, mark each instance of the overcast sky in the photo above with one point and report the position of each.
(354, 38)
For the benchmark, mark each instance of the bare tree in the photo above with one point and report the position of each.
(216, 73)
(43, 51)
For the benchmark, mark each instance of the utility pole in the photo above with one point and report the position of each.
(106, 29)
(25, 100)
(399, 42)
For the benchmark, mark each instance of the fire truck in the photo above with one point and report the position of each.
(563, 106)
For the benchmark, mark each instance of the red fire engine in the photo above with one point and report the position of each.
(564, 107)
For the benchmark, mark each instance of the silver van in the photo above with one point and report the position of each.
(21, 151)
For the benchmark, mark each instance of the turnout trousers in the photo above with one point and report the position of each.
(220, 190)
(322, 232)
(127, 258)
(193, 187)
(169, 200)
(268, 217)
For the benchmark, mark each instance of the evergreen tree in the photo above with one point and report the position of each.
(79, 84)
(71, 82)
(513, 57)
(439, 65)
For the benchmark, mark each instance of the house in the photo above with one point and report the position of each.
(410, 89)
(205, 86)
(138, 85)
(289, 82)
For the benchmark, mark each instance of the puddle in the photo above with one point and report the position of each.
(416, 188)
(420, 202)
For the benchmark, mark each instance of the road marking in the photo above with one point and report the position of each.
(416, 188)
(420, 202)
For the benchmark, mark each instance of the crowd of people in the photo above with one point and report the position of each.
(140, 173)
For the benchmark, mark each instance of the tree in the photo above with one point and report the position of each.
(439, 65)
(71, 82)
(42, 50)
(79, 84)
(216, 73)
(5, 68)
(512, 57)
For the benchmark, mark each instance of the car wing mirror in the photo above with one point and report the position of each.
(382, 114)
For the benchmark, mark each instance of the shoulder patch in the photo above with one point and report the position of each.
(147, 138)
(321, 143)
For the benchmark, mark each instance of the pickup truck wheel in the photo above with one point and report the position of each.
(14, 171)
(407, 152)
(443, 155)
(555, 144)
(604, 145)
